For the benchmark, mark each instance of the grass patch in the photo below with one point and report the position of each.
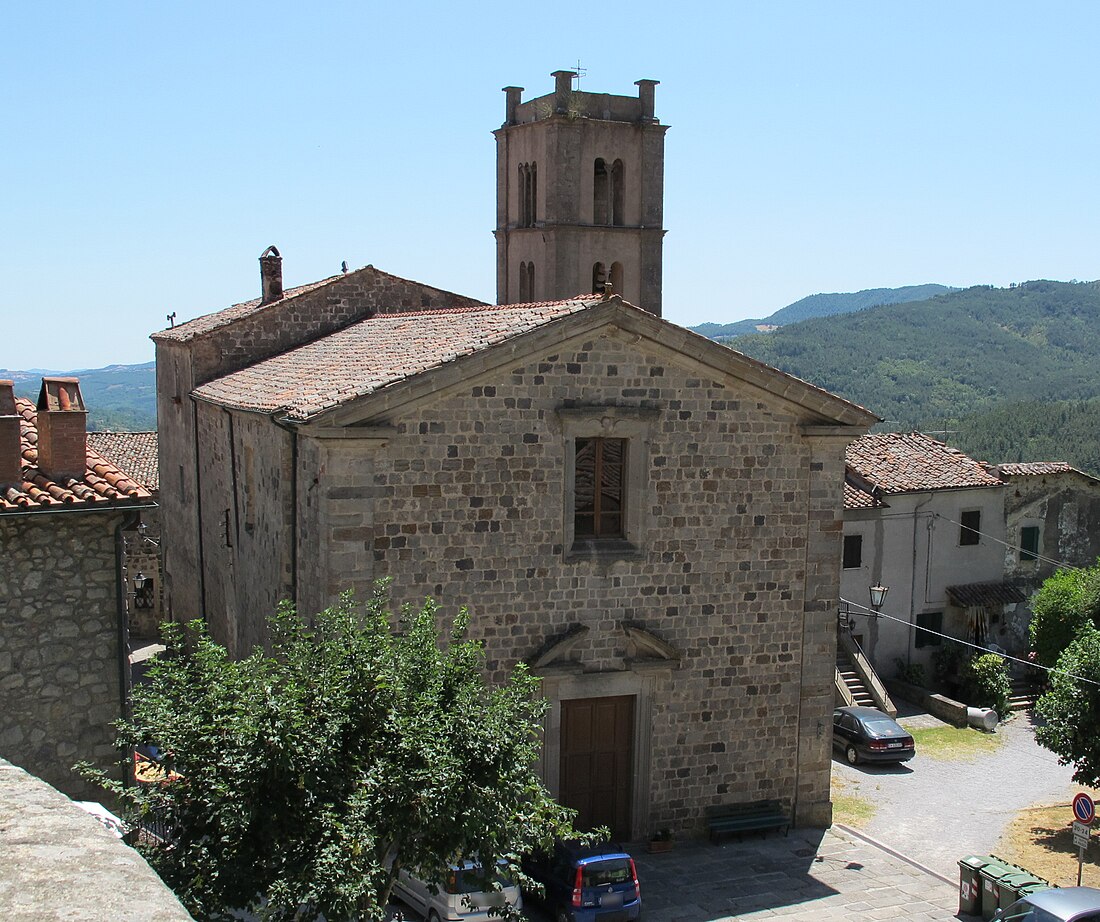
(848, 807)
(1040, 839)
(953, 744)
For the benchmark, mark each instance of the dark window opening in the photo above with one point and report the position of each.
(617, 278)
(618, 193)
(970, 527)
(599, 276)
(1029, 542)
(524, 290)
(926, 622)
(598, 488)
(853, 551)
(601, 189)
(528, 193)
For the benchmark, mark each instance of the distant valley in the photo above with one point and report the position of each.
(1005, 374)
(121, 398)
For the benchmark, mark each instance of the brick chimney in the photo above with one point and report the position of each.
(271, 275)
(11, 449)
(62, 429)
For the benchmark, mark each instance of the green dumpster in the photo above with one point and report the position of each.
(991, 875)
(1010, 887)
(1035, 887)
(970, 884)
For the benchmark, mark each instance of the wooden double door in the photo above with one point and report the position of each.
(597, 758)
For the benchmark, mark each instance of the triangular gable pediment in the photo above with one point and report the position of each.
(625, 324)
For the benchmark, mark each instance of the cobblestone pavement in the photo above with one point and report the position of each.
(809, 875)
(937, 811)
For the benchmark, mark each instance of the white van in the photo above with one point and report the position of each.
(460, 897)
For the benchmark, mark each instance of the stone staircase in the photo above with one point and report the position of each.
(848, 675)
(1023, 692)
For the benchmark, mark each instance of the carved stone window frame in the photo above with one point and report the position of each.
(635, 425)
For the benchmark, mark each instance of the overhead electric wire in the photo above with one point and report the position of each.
(1060, 564)
(966, 643)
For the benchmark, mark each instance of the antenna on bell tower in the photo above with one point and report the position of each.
(579, 72)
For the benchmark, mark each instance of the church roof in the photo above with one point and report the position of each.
(374, 353)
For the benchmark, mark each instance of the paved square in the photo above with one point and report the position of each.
(810, 874)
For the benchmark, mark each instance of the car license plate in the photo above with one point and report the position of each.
(894, 745)
(611, 900)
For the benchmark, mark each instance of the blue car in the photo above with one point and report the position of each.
(587, 883)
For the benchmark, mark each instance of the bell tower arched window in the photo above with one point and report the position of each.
(528, 193)
(601, 188)
(618, 193)
(599, 276)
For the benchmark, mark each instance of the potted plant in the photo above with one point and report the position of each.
(661, 840)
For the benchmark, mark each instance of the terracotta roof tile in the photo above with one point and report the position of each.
(135, 453)
(897, 462)
(103, 484)
(856, 497)
(1039, 468)
(374, 353)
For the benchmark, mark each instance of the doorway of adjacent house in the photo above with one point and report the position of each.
(597, 743)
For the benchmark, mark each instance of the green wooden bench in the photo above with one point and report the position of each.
(737, 819)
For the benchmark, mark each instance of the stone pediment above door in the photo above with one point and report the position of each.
(645, 651)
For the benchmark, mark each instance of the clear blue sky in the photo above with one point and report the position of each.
(152, 151)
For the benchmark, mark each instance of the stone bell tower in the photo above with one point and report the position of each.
(580, 195)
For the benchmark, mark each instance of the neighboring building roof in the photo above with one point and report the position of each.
(973, 594)
(103, 484)
(1040, 468)
(371, 354)
(135, 453)
(857, 497)
(899, 462)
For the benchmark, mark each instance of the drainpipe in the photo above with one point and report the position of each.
(913, 580)
(123, 632)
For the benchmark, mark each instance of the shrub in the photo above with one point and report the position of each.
(985, 682)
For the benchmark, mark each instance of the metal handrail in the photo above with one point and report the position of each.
(866, 673)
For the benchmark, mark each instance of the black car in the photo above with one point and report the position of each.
(868, 735)
(587, 883)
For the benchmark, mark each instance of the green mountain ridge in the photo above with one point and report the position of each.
(121, 398)
(824, 305)
(928, 365)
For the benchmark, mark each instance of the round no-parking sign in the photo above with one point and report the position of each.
(1084, 810)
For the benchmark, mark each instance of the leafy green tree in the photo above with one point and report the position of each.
(304, 779)
(1067, 603)
(1072, 708)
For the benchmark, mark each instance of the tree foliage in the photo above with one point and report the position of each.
(985, 682)
(1067, 603)
(1071, 708)
(308, 776)
(927, 364)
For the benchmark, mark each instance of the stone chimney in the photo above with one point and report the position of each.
(563, 89)
(271, 275)
(11, 448)
(513, 94)
(645, 94)
(62, 429)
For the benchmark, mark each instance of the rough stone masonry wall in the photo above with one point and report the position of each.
(61, 863)
(59, 654)
(185, 364)
(466, 504)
